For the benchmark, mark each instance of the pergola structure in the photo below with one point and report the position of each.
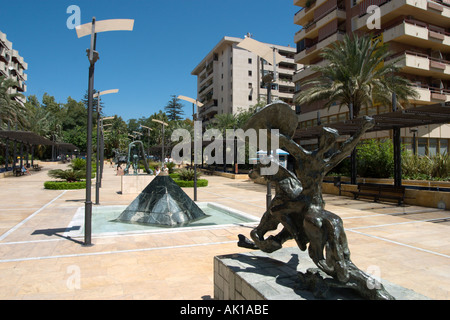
(25, 138)
(31, 139)
(413, 117)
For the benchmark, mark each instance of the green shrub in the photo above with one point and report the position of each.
(175, 175)
(68, 175)
(425, 168)
(190, 184)
(63, 185)
(171, 166)
(188, 174)
(78, 164)
(375, 159)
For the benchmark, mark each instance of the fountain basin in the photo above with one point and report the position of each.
(103, 221)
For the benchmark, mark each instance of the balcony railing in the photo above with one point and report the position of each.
(313, 46)
(434, 62)
(418, 23)
(339, 6)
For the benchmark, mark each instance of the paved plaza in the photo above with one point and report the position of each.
(408, 246)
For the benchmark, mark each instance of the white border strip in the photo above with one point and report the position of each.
(118, 251)
(400, 244)
(30, 217)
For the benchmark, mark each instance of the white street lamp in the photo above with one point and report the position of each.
(148, 140)
(99, 164)
(92, 29)
(162, 152)
(269, 54)
(199, 105)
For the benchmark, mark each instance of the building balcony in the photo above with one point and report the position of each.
(430, 11)
(4, 42)
(307, 71)
(3, 69)
(419, 34)
(306, 14)
(312, 52)
(300, 3)
(209, 110)
(312, 29)
(431, 95)
(423, 65)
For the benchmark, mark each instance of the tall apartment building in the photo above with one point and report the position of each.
(417, 32)
(229, 79)
(12, 65)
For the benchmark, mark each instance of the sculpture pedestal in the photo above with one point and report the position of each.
(262, 276)
(131, 184)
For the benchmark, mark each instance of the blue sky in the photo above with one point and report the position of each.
(147, 65)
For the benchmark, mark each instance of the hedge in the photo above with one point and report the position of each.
(190, 184)
(63, 185)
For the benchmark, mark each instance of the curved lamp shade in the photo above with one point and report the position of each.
(105, 25)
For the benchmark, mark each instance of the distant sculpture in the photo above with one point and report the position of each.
(136, 153)
(299, 206)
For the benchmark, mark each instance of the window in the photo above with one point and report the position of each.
(250, 73)
(250, 85)
(250, 98)
(422, 147)
(408, 144)
(432, 147)
(231, 60)
(443, 146)
(249, 60)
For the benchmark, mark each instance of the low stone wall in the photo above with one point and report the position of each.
(262, 276)
(424, 198)
(229, 175)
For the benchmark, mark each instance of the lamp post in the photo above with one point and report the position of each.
(92, 29)
(99, 168)
(414, 132)
(194, 104)
(267, 53)
(102, 145)
(148, 139)
(162, 151)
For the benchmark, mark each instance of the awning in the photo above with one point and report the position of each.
(26, 137)
(66, 146)
(413, 117)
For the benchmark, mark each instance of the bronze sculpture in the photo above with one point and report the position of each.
(299, 206)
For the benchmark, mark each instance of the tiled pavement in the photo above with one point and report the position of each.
(409, 245)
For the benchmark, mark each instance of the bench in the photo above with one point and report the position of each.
(380, 191)
(209, 171)
(18, 172)
(36, 167)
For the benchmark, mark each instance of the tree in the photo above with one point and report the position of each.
(356, 74)
(11, 109)
(174, 109)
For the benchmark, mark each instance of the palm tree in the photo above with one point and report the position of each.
(357, 75)
(10, 108)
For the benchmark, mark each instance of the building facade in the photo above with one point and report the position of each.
(12, 65)
(417, 32)
(229, 79)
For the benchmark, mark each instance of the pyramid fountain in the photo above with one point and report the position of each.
(162, 203)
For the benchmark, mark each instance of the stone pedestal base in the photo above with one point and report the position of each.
(131, 184)
(261, 276)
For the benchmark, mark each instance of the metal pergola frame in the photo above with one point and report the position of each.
(413, 117)
(27, 138)
(396, 120)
